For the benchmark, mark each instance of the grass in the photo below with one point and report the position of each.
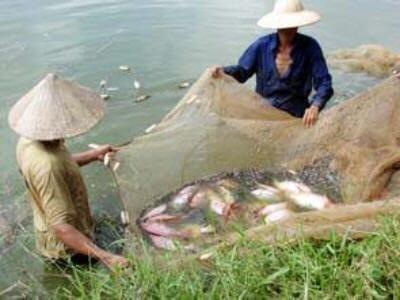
(337, 268)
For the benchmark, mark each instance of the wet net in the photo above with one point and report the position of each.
(222, 126)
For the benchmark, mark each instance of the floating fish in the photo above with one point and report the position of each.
(93, 146)
(103, 83)
(124, 68)
(184, 85)
(278, 216)
(142, 98)
(136, 84)
(105, 96)
(150, 128)
(113, 89)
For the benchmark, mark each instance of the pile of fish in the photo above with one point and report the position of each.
(199, 213)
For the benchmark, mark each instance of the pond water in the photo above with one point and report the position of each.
(166, 42)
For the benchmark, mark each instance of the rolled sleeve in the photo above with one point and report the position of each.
(56, 202)
(322, 80)
(247, 64)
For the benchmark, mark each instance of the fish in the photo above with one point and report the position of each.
(112, 89)
(267, 193)
(103, 83)
(183, 197)
(292, 187)
(191, 99)
(125, 217)
(161, 242)
(163, 218)
(150, 128)
(226, 194)
(200, 199)
(272, 208)
(116, 166)
(105, 96)
(278, 216)
(184, 85)
(309, 201)
(124, 68)
(158, 228)
(142, 98)
(107, 159)
(218, 207)
(136, 84)
(155, 212)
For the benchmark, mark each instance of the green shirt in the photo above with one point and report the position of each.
(57, 193)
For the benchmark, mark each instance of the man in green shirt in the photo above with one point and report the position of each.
(56, 109)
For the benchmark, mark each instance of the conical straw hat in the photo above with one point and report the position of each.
(55, 109)
(288, 14)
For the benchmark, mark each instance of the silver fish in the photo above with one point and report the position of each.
(292, 187)
(273, 208)
(142, 98)
(136, 84)
(124, 68)
(310, 201)
(267, 193)
(184, 196)
(184, 85)
(155, 212)
(278, 216)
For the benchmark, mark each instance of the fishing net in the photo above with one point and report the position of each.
(374, 60)
(221, 126)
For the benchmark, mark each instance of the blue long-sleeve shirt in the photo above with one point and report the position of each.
(290, 92)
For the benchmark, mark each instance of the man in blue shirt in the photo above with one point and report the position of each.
(288, 65)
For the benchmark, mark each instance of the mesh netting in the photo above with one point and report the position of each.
(221, 126)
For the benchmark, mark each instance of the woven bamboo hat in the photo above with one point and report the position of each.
(288, 14)
(56, 109)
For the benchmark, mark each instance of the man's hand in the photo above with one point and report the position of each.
(102, 150)
(311, 116)
(217, 72)
(113, 261)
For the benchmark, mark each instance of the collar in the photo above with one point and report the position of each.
(274, 43)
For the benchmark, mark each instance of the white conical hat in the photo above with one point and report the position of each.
(56, 109)
(288, 14)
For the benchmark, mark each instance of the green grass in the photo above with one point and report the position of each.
(334, 269)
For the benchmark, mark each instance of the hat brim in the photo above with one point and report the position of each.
(289, 20)
(56, 109)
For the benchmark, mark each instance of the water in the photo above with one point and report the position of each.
(166, 42)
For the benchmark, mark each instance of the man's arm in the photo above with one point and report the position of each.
(322, 83)
(57, 207)
(87, 157)
(81, 244)
(246, 67)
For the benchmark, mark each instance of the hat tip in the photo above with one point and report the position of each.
(51, 76)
